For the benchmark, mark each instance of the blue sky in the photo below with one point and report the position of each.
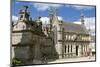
(69, 13)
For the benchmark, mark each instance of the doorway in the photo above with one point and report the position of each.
(76, 50)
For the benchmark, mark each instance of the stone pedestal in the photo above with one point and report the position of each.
(60, 56)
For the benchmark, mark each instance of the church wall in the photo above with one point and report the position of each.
(70, 49)
(20, 26)
(21, 38)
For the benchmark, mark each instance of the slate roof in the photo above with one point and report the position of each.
(72, 27)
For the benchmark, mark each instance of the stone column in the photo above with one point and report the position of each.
(79, 50)
(74, 50)
(59, 50)
(84, 50)
(37, 53)
(68, 50)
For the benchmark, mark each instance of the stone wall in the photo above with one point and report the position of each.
(22, 38)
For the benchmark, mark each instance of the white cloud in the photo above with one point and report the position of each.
(80, 7)
(43, 6)
(77, 22)
(14, 18)
(60, 18)
(45, 20)
(83, 7)
(89, 23)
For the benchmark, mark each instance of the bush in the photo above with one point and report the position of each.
(16, 61)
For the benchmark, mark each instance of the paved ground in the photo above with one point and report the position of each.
(78, 59)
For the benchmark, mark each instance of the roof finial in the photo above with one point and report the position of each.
(82, 17)
(52, 11)
(25, 7)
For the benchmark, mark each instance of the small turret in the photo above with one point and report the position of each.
(52, 14)
(24, 14)
(39, 23)
(82, 18)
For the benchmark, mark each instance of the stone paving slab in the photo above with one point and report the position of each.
(79, 59)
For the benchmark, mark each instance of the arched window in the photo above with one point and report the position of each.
(66, 37)
(68, 48)
(71, 48)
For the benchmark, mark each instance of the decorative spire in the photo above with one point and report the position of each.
(24, 14)
(52, 13)
(82, 18)
(52, 16)
(25, 8)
